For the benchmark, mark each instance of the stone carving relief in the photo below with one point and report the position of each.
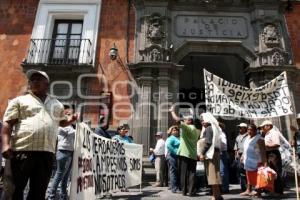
(277, 59)
(270, 50)
(270, 36)
(155, 31)
(273, 57)
(154, 47)
(155, 53)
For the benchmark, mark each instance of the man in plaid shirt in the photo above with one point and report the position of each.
(30, 126)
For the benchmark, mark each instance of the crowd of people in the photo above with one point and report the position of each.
(37, 137)
(186, 144)
(37, 126)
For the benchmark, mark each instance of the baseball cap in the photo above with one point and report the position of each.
(29, 73)
(159, 133)
(298, 116)
(266, 122)
(242, 125)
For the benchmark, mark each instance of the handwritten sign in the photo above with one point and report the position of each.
(103, 165)
(223, 98)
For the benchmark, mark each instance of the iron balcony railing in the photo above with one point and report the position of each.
(59, 52)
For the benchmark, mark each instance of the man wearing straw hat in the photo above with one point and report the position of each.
(272, 142)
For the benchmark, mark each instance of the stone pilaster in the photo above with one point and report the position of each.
(163, 101)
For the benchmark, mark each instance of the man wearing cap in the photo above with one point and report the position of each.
(296, 138)
(30, 127)
(159, 152)
(239, 149)
(187, 153)
(272, 142)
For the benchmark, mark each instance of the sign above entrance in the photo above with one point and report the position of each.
(211, 27)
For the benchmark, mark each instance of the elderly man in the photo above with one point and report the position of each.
(187, 153)
(272, 142)
(30, 127)
(159, 152)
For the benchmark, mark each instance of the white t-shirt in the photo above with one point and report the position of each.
(223, 145)
(160, 148)
(272, 138)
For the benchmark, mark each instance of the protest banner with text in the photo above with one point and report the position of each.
(102, 165)
(223, 98)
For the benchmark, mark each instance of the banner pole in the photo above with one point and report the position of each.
(142, 168)
(296, 175)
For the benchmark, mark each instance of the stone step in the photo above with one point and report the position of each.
(147, 163)
(149, 174)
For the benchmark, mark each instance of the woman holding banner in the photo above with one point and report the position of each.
(64, 157)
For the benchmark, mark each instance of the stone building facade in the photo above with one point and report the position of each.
(163, 47)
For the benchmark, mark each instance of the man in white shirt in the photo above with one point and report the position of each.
(272, 142)
(159, 152)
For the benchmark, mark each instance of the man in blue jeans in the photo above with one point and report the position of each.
(64, 156)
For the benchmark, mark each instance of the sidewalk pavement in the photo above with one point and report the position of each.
(149, 193)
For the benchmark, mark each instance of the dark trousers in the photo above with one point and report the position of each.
(187, 174)
(274, 161)
(173, 172)
(224, 172)
(241, 175)
(167, 174)
(33, 166)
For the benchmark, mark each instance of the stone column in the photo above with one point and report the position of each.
(163, 106)
(144, 113)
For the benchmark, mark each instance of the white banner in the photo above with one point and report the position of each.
(103, 165)
(223, 98)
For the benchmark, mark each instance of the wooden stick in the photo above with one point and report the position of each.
(296, 175)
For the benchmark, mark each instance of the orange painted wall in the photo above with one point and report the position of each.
(117, 27)
(293, 24)
(16, 23)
